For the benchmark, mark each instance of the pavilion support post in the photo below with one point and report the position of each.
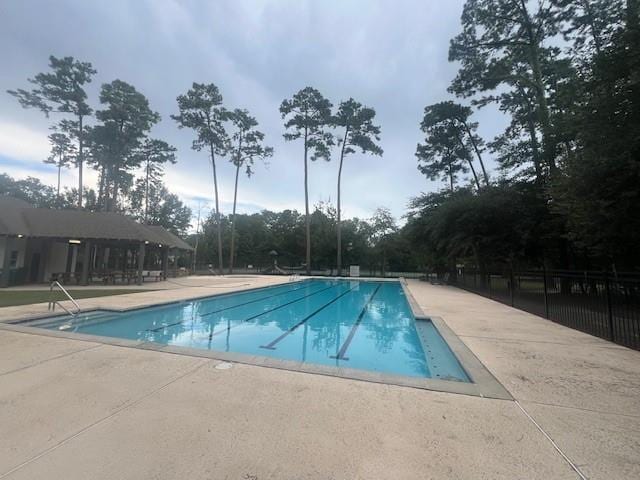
(6, 262)
(165, 262)
(86, 263)
(176, 253)
(105, 259)
(140, 262)
(74, 261)
(125, 266)
(44, 261)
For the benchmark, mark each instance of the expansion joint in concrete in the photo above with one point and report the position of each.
(56, 357)
(553, 443)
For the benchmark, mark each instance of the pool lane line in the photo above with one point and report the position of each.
(253, 301)
(157, 329)
(268, 311)
(347, 342)
(270, 346)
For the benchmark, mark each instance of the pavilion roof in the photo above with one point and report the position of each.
(18, 217)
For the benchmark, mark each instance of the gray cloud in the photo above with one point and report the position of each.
(391, 55)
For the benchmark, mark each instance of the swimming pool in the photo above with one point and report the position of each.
(355, 324)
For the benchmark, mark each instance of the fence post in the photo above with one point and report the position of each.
(546, 292)
(607, 290)
(511, 286)
(489, 283)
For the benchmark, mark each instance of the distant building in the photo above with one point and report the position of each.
(73, 246)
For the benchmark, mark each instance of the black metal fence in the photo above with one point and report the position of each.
(602, 304)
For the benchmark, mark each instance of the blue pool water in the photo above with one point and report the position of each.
(363, 325)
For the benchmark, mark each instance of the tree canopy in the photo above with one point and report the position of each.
(565, 71)
(62, 91)
(358, 132)
(307, 116)
(564, 192)
(201, 110)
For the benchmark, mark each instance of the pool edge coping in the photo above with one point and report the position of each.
(51, 314)
(484, 383)
(61, 313)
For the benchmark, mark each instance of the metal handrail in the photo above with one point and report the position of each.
(52, 302)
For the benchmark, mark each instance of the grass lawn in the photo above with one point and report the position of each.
(26, 297)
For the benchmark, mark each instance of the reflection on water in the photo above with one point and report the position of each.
(353, 324)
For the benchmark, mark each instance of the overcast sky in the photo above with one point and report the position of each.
(388, 54)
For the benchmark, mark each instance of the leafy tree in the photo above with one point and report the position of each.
(518, 148)
(62, 91)
(288, 232)
(201, 110)
(497, 225)
(356, 121)
(308, 115)
(40, 195)
(89, 199)
(441, 154)
(323, 222)
(101, 150)
(261, 233)
(599, 192)
(153, 154)
(356, 236)
(125, 121)
(453, 119)
(382, 225)
(31, 190)
(589, 25)
(63, 153)
(161, 208)
(247, 147)
(573, 111)
(502, 44)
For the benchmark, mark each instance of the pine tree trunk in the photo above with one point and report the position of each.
(469, 161)
(531, 128)
(339, 222)
(80, 159)
(306, 205)
(114, 197)
(233, 220)
(101, 201)
(146, 195)
(59, 169)
(535, 150)
(548, 147)
(473, 171)
(215, 189)
(478, 154)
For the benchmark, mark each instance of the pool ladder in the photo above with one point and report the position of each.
(52, 303)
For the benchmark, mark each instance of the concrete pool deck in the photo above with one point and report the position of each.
(79, 409)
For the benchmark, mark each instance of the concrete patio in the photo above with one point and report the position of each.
(79, 409)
